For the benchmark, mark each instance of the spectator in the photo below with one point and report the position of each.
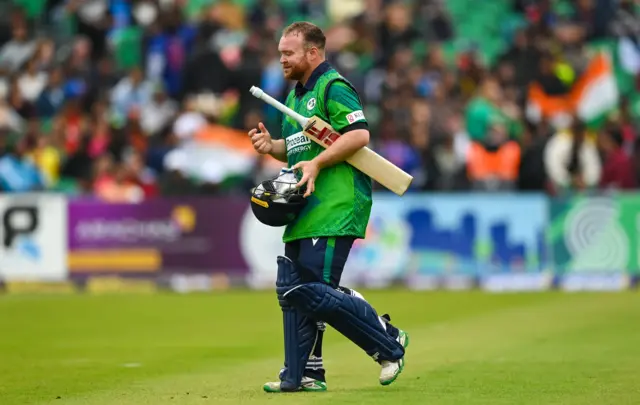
(484, 109)
(471, 72)
(52, 97)
(593, 18)
(45, 54)
(10, 120)
(571, 159)
(131, 92)
(18, 102)
(47, 158)
(439, 21)
(119, 188)
(444, 112)
(523, 56)
(188, 122)
(547, 76)
(618, 170)
(204, 59)
(532, 174)
(19, 49)
(432, 75)
(94, 21)
(17, 173)
(79, 165)
(493, 163)
(141, 175)
(625, 26)
(447, 165)
(629, 125)
(248, 71)
(396, 31)
(135, 137)
(169, 47)
(158, 112)
(32, 81)
(101, 80)
(99, 137)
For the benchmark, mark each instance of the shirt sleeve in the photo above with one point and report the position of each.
(344, 108)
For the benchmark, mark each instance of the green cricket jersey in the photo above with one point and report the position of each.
(341, 202)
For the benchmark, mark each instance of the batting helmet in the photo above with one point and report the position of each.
(277, 202)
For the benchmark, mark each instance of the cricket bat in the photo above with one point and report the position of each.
(365, 160)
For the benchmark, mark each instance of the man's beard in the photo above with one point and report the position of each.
(296, 73)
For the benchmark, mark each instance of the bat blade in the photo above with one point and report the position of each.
(365, 160)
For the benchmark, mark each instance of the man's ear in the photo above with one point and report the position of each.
(314, 53)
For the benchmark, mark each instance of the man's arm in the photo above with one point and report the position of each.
(345, 146)
(345, 116)
(279, 150)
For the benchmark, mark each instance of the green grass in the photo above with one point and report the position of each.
(466, 348)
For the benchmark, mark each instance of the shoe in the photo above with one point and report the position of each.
(392, 369)
(307, 384)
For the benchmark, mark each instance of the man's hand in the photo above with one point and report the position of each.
(261, 141)
(310, 170)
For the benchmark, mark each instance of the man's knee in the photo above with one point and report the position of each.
(296, 291)
(313, 298)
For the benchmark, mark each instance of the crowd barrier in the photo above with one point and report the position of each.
(495, 242)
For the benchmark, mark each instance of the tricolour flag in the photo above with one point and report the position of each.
(217, 153)
(591, 98)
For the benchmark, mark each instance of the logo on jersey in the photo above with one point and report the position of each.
(311, 104)
(355, 116)
(297, 143)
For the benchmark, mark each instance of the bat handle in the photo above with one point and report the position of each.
(257, 92)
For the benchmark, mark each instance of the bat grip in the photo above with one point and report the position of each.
(259, 93)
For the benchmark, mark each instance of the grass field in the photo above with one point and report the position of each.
(466, 348)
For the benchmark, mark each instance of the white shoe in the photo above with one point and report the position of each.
(392, 369)
(307, 384)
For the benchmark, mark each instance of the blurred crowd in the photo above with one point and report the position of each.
(96, 96)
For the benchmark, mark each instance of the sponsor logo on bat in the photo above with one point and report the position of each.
(325, 135)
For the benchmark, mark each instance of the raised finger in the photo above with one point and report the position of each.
(303, 180)
(252, 132)
(310, 187)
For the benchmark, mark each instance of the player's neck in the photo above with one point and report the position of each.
(309, 72)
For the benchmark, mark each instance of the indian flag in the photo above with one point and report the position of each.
(217, 154)
(592, 97)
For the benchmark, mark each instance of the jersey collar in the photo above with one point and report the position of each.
(322, 68)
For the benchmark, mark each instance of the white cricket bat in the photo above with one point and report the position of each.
(365, 160)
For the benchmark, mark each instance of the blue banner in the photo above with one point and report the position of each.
(453, 241)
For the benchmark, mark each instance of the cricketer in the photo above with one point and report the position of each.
(319, 239)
